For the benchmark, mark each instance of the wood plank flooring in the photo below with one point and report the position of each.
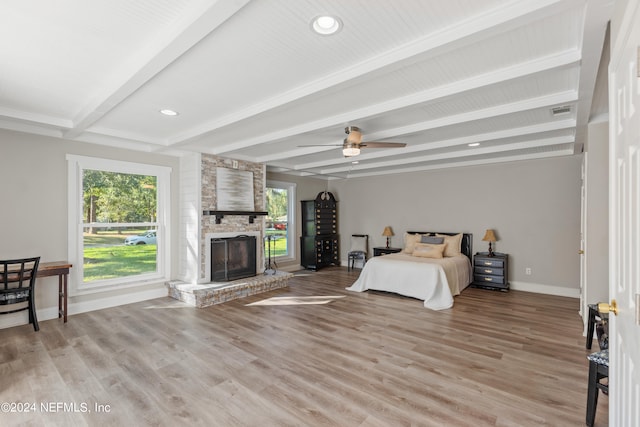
(367, 359)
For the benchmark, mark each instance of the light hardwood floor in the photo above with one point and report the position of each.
(367, 359)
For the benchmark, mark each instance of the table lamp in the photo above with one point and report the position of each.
(490, 236)
(388, 232)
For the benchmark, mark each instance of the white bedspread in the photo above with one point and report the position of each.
(435, 281)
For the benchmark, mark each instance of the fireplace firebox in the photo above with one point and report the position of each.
(233, 258)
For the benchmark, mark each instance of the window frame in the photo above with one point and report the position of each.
(291, 217)
(76, 223)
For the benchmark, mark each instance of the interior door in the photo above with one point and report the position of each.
(584, 296)
(624, 227)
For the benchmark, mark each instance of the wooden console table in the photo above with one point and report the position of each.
(60, 269)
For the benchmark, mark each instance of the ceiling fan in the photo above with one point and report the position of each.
(353, 143)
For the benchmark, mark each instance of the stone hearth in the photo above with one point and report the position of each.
(207, 294)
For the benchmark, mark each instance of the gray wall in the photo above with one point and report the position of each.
(534, 207)
(33, 174)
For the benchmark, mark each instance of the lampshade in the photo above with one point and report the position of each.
(388, 232)
(489, 236)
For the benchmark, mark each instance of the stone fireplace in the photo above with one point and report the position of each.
(201, 222)
(229, 225)
(232, 256)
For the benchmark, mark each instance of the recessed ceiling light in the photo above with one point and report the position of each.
(326, 25)
(473, 144)
(168, 112)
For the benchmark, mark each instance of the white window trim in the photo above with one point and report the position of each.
(76, 164)
(291, 218)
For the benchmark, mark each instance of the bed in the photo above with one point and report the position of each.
(425, 269)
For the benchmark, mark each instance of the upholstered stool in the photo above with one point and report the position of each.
(592, 321)
(598, 370)
(358, 250)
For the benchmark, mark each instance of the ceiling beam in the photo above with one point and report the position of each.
(151, 60)
(486, 113)
(466, 140)
(488, 24)
(529, 68)
(597, 14)
(472, 162)
(470, 151)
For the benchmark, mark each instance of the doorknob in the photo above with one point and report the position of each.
(604, 308)
(580, 252)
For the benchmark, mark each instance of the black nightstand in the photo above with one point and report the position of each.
(490, 272)
(385, 251)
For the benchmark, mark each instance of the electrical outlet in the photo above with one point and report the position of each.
(527, 271)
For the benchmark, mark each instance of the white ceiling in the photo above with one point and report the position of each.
(251, 81)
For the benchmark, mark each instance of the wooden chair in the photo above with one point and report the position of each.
(598, 370)
(17, 285)
(358, 251)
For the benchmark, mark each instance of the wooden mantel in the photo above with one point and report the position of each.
(220, 214)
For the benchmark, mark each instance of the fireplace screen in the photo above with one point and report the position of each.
(233, 258)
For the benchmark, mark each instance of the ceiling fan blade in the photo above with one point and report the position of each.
(380, 144)
(321, 145)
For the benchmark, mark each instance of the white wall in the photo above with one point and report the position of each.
(597, 215)
(190, 183)
(534, 207)
(33, 175)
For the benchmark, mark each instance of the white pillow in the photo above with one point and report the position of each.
(410, 241)
(454, 244)
(429, 250)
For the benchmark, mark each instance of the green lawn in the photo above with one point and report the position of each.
(108, 262)
(278, 246)
(106, 256)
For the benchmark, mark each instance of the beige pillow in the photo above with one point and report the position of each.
(410, 241)
(429, 250)
(454, 244)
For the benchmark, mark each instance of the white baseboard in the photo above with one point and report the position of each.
(290, 268)
(48, 313)
(545, 289)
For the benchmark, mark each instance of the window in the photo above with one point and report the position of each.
(280, 232)
(118, 212)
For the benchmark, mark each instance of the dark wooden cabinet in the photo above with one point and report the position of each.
(385, 251)
(320, 242)
(490, 272)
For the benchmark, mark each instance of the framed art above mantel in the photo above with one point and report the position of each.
(234, 190)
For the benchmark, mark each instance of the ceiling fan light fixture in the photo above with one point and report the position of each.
(326, 25)
(350, 151)
(350, 148)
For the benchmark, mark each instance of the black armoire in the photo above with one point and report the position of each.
(319, 242)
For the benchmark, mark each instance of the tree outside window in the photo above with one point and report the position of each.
(119, 224)
(280, 197)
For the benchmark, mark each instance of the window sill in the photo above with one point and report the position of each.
(117, 284)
